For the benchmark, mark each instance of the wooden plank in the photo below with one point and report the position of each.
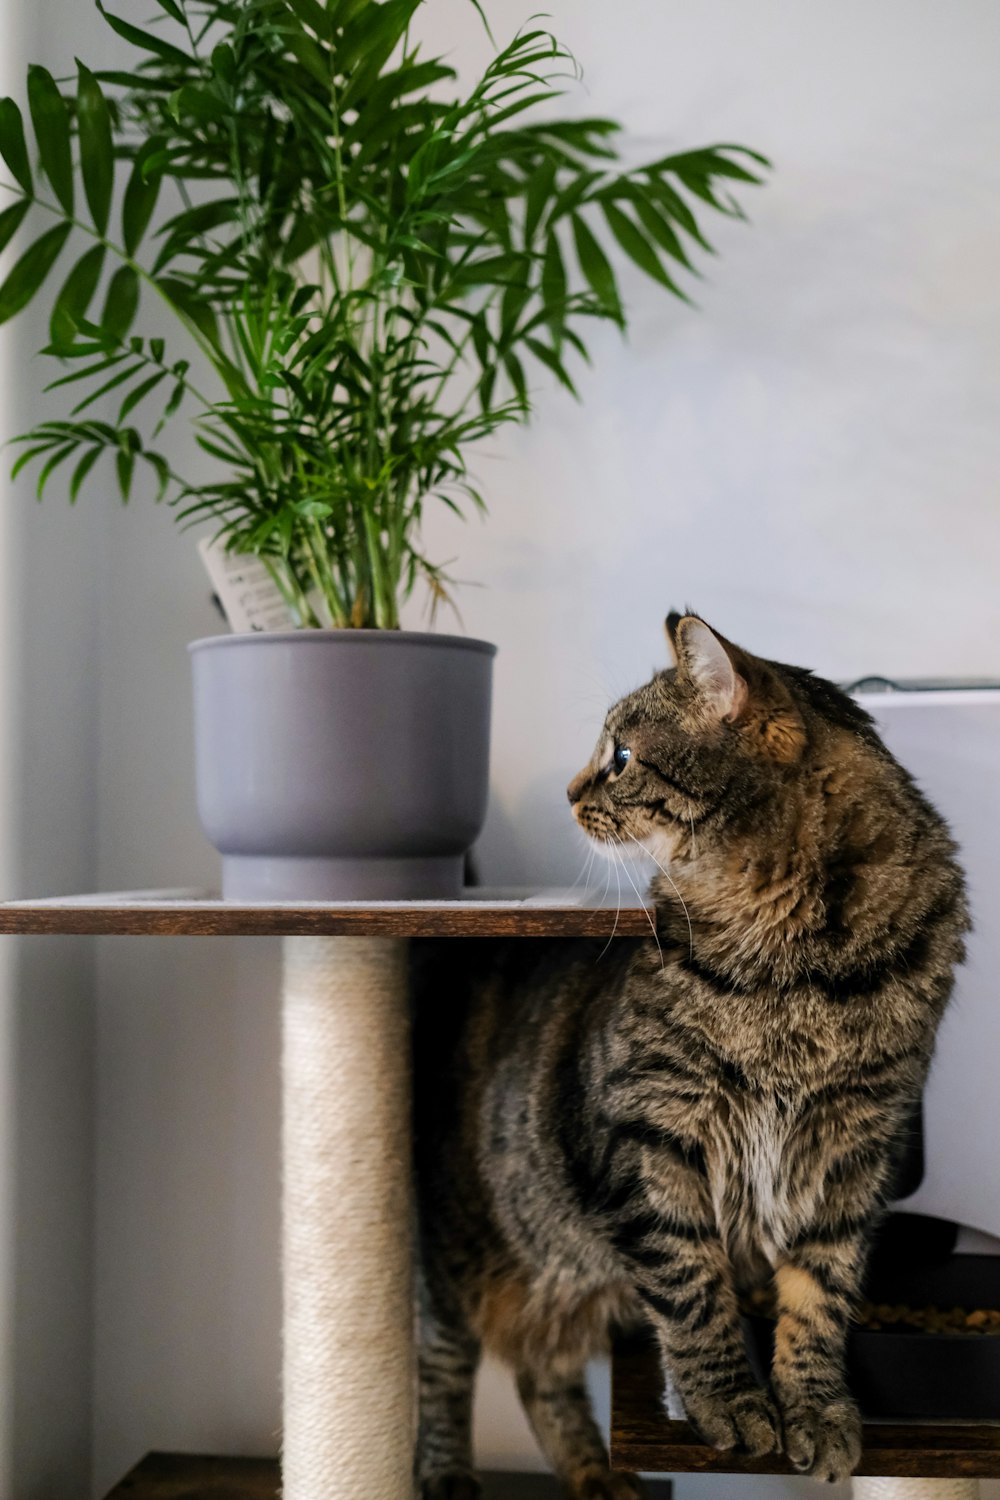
(181, 1476)
(484, 914)
(643, 1437)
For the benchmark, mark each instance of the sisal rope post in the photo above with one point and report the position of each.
(914, 1489)
(349, 1385)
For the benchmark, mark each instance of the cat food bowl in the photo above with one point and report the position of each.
(927, 1345)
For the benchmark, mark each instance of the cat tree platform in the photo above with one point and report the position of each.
(179, 1476)
(348, 1388)
(348, 1358)
(184, 913)
(644, 1438)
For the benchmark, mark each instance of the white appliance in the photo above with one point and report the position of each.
(948, 737)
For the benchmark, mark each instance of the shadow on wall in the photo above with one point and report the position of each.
(46, 1020)
(187, 1338)
(535, 842)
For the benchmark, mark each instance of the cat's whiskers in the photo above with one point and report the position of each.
(618, 882)
(618, 911)
(649, 918)
(673, 887)
(603, 848)
(584, 874)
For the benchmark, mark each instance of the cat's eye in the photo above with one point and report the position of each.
(621, 757)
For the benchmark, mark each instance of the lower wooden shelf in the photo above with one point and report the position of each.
(643, 1436)
(183, 1476)
(187, 1476)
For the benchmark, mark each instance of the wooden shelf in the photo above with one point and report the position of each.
(181, 1476)
(484, 913)
(643, 1437)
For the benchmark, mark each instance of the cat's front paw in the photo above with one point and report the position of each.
(742, 1419)
(824, 1441)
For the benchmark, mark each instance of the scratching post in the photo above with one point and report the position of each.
(915, 1489)
(349, 1407)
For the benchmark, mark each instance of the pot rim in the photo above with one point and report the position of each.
(343, 637)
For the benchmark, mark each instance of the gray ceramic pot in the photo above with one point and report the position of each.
(337, 765)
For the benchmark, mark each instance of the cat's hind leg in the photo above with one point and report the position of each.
(447, 1359)
(558, 1408)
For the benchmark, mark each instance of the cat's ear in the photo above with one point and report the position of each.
(704, 658)
(670, 625)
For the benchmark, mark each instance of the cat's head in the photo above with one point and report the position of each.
(711, 740)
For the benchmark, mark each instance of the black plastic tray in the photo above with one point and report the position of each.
(896, 1373)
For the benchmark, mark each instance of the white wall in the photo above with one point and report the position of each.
(48, 761)
(811, 461)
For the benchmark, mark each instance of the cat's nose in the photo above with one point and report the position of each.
(577, 787)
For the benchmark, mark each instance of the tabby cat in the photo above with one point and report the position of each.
(646, 1131)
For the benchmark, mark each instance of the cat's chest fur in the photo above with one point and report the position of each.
(736, 1092)
(750, 1180)
(751, 1142)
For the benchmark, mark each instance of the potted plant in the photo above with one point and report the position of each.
(367, 269)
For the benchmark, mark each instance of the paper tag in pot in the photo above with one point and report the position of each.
(249, 596)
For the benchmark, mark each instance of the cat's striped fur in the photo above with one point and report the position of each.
(647, 1132)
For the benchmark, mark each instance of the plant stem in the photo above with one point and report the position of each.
(291, 590)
